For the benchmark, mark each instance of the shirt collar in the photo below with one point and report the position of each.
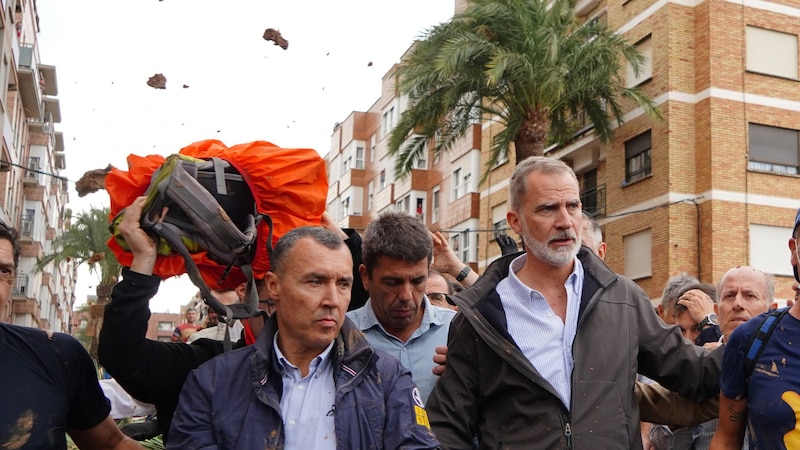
(574, 280)
(430, 316)
(318, 364)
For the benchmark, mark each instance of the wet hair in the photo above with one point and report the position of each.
(542, 164)
(286, 243)
(675, 287)
(10, 234)
(704, 287)
(396, 235)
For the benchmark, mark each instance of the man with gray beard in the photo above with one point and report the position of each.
(547, 346)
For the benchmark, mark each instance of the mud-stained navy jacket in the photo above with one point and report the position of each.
(233, 401)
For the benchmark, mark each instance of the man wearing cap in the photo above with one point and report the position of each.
(766, 399)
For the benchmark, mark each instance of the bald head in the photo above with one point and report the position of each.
(743, 293)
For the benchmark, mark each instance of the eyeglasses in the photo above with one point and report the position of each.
(439, 298)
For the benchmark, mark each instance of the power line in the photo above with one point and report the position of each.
(29, 169)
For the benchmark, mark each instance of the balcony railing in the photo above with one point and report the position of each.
(26, 226)
(594, 201)
(20, 285)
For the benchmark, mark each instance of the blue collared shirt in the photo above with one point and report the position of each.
(307, 404)
(541, 335)
(416, 355)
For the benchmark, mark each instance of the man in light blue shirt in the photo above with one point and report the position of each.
(398, 318)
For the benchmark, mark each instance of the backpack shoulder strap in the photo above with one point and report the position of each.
(759, 339)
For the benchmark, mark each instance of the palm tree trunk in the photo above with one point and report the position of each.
(96, 316)
(532, 135)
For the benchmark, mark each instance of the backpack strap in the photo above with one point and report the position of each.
(759, 340)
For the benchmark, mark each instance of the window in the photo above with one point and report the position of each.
(637, 157)
(773, 149)
(422, 162)
(457, 188)
(632, 79)
(27, 223)
(346, 164)
(84, 323)
(771, 52)
(499, 221)
(435, 206)
(763, 240)
(421, 210)
(370, 190)
(437, 157)
(359, 157)
(383, 179)
(373, 143)
(388, 121)
(166, 326)
(345, 207)
(638, 250)
(460, 245)
(404, 204)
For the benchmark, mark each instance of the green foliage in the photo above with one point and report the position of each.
(527, 64)
(85, 242)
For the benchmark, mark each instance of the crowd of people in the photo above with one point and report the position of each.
(388, 340)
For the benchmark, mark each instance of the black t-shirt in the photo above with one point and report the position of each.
(47, 384)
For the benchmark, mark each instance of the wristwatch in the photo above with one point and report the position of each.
(710, 319)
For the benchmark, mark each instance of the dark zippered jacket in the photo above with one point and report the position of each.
(233, 401)
(490, 389)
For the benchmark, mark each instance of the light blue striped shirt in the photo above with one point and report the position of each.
(541, 335)
(307, 404)
(415, 355)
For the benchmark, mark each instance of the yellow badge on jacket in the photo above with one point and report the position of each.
(419, 409)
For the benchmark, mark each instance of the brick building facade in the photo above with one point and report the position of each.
(713, 184)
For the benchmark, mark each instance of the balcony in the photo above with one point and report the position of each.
(21, 289)
(31, 84)
(31, 176)
(60, 160)
(594, 201)
(43, 125)
(26, 229)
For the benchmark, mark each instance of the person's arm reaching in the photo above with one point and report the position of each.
(446, 261)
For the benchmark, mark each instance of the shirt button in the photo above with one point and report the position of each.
(300, 387)
(404, 349)
(291, 423)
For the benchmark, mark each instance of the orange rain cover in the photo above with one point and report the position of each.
(289, 185)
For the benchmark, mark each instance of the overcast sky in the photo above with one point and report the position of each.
(241, 88)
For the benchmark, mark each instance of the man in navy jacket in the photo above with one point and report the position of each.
(311, 380)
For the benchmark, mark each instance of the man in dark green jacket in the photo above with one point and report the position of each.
(547, 348)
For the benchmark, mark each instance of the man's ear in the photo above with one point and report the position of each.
(273, 286)
(716, 308)
(660, 310)
(513, 221)
(793, 248)
(362, 270)
(241, 291)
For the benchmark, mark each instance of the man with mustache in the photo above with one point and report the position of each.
(398, 318)
(311, 380)
(547, 345)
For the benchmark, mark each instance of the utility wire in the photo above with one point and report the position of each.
(35, 170)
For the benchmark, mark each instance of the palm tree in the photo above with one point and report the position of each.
(529, 64)
(85, 242)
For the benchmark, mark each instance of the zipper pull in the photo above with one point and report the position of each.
(568, 434)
